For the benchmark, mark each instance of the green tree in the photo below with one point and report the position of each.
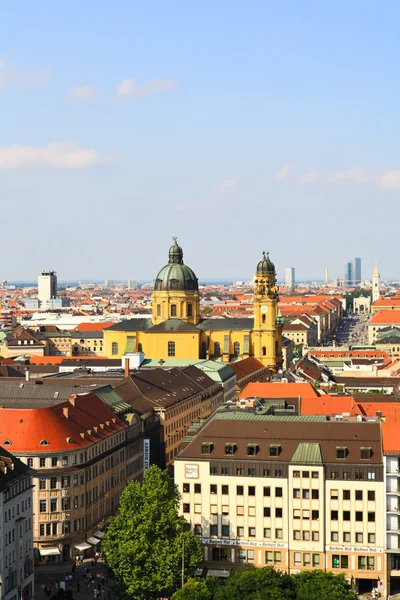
(314, 585)
(257, 584)
(193, 590)
(145, 540)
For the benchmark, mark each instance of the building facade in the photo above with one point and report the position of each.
(296, 493)
(47, 288)
(16, 529)
(289, 278)
(176, 329)
(82, 454)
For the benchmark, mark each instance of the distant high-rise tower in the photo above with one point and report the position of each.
(356, 263)
(132, 284)
(348, 274)
(352, 272)
(326, 275)
(47, 288)
(376, 280)
(289, 277)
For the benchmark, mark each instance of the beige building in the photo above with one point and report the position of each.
(82, 454)
(294, 492)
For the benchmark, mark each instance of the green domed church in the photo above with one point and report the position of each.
(176, 329)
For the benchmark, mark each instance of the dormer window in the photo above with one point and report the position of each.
(366, 453)
(252, 449)
(275, 449)
(207, 447)
(44, 443)
(341, 452)
(6, 443)
(230, 448)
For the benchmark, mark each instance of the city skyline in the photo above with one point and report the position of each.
(138, 130)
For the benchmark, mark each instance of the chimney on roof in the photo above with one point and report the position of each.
(65, 412)
(72, 399)
(27, 375)
(126, 368)
(379, 414)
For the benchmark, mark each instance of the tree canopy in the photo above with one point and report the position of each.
(253, 583)
(144, 542)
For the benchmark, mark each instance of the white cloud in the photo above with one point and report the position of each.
(129, 88)
(180, 207)
(390, 180)
(57, 155)
(226, 184)
(309, 177)
(84, 92)
(284, 172)
(354, 174)
(17, 78)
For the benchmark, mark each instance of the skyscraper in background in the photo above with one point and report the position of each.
(356, 266)
(348, 274)
(289, 277)
(352, 272)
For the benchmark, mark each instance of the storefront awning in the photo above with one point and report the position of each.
(82, 546)
(218, 573)
(49, 552)
(94, 541)
(99, 534)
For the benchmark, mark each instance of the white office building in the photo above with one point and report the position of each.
(289, 277)
(47, 288)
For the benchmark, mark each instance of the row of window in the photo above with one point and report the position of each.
(51, 529)
(359, 537)
(275, 450)
(358, 495)
(64, 461)
(10, 513)
(341, 561)
(250, 471)
(18, 488)
(174, 310)
(355, 516)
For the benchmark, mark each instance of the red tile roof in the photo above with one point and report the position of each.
(27, 428)
(329, 405)
(385, 316)
(93, 326)
(278, 390)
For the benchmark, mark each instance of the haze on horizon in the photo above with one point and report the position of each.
(237, 127)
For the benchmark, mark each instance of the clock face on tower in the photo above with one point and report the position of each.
(264, 309)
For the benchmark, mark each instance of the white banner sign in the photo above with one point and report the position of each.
(365, 549)
(146, 454)
(243, 543)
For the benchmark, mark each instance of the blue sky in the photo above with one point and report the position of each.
(236, 126)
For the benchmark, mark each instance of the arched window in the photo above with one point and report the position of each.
(217, 349)
(114, 349)
(140, 348)
(263, 318)
(264, 351)
(173, 310)
(158, 310)
(171, 348)
(173, 284)
(190, 310)
(236, 348)
(203, 352)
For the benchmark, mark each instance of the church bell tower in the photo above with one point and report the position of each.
(268, 324)
(376, 282)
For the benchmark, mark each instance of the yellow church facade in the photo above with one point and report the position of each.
(176, 329)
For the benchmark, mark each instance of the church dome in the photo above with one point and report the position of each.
(265, 266)
(176, 276)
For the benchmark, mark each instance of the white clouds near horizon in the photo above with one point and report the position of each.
(56, 155)
(309, 177)
(390, 180)
(282, 173)
(353, 174)
(83, 93)
(130, 89)
(17, 78)
(226, 184)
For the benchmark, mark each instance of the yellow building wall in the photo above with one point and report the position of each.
(155, 345)
(120, 337)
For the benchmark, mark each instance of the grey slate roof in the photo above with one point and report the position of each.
(172, 325)
(131, 325)
(33, 395)
(226, 324)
